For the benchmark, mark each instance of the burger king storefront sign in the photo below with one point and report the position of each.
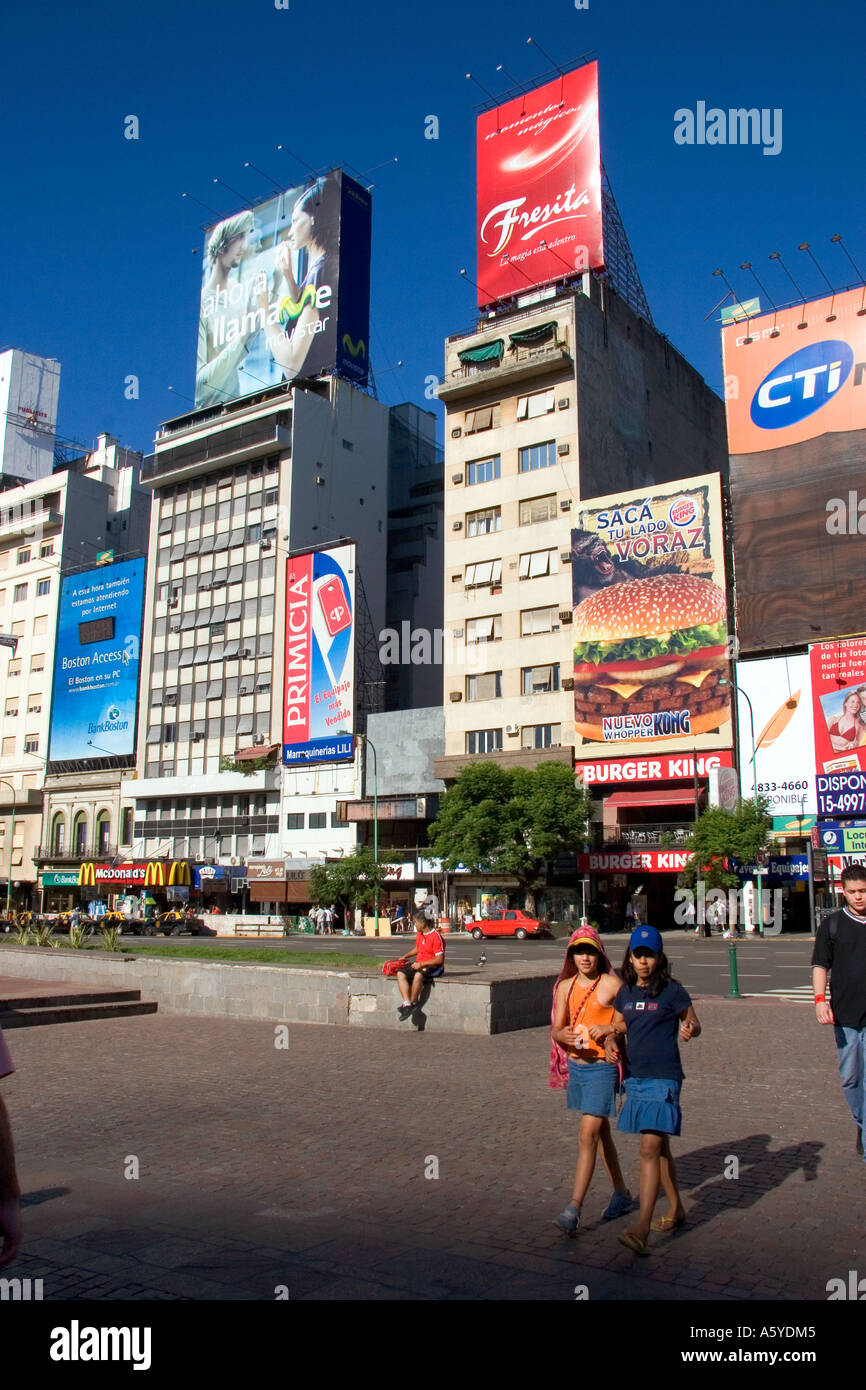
(670, 767)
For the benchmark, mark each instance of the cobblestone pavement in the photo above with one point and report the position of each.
(303, 1169)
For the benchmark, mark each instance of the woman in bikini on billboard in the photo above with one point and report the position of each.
(847, 731)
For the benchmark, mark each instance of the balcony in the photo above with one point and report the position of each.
(651, 836)
(45, 854)
(516, 364)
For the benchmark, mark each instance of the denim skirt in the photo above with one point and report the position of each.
(651, 1104)
(592, 1088)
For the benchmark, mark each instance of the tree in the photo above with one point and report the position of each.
(502, 820)
(350, 880)
(720, 836)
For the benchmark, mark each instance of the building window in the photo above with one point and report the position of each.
(481, 523)
(37, 662)
(487, 686)
(43, 586)
(539, 403)
(58, 835)
(541, 736)
(103, 832)
(40, 626)
(126, 826)
(46, 550)
(12, 706)
(79, 834)
(24, 556)
(31, 743)
(169, 733)
(318, 820)
(484, 741)
(534, 620)
(483, 470)
(20, 593)
(537, 563)
(484, 630)
(34, 704)
(485, 418)
(537, 456)
(486, 572)
(295, 820)
(336, 821)
(13, 669)
(8, 747)
(539, 680)
(536, 509)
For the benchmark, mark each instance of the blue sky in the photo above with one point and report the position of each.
(97, 240)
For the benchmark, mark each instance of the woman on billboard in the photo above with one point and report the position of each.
(305, 305)
(847, 731)
(224, 330)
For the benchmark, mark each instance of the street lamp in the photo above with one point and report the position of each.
(758, 876)
(375, 819)
(11, 840)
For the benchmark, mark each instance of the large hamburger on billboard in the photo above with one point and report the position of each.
(651, 653)
(539, 187)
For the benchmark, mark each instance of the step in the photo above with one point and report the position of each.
(59, 999)
(74, 1013)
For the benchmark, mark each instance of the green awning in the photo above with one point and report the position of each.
(532, 335)
(485, 352)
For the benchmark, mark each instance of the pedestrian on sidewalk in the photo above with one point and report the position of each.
(650, 1009)
(429, 953)
(840, 953)
(582, 1020)
(10, 1192)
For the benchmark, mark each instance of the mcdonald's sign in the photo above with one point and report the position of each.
(154, 876)
(179, 873)
(87, 876)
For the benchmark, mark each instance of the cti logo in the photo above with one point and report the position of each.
(801, 384)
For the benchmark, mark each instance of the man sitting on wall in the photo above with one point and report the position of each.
(429, 953)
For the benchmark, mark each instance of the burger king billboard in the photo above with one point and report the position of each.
(651, 652)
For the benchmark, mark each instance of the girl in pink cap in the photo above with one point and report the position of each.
(582, 1019)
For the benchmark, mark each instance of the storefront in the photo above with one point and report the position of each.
(647, 879)
(279, 885)
(93, 887)
(219, 887)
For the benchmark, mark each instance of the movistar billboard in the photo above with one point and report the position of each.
(97, 663)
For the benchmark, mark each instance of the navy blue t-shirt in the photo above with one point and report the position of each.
(653, 1028)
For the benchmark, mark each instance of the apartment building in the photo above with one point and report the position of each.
(48, 528)
(568, 396)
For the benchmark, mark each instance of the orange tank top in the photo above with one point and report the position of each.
(585, 1010)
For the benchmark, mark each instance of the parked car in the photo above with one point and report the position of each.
(511, 921)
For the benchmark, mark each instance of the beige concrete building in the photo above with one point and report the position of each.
(569, 396)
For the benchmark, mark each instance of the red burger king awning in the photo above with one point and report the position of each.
(675, 797)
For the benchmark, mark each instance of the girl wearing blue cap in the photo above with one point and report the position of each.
(651, 1010)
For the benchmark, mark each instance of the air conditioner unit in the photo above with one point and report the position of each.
(175, 627)
(247, 652)
(457, 477)
(259, 739)
(496, 588)
(266, 544)
(554, 627)
(566, 616)
(565, 505)
(512, 730)
(243, 690)
(457, 526)
(456, 578)
(457, 632)
(455, 696)
(563, 403)
(568, 683)
(563, 448)
(565, 557)
(197, 738)
(456, 433)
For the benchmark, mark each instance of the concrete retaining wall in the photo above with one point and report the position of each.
(285, 994)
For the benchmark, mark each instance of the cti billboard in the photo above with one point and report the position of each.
(96, 664)
(651, 657)
(319, 704)
(775, 695)
(286, 291)
(539, 187)
(795, 389)
(792, 375)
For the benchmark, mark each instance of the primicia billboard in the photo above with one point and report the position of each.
(319, 691)
(96, 665)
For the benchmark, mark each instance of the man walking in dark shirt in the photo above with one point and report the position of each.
(840, 951)
(10, 1193)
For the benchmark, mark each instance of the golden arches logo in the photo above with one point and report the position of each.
(87, 876)
(179, 873)
(154, 876)
(289, 309)
(356, 351)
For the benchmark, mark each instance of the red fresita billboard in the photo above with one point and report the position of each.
(539, 187)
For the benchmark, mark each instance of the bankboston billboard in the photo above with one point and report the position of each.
(96, 664)
(539, 187)
(319, 705)
(651, 658)
(286, 291)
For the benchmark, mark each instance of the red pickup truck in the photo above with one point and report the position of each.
(510, 921)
